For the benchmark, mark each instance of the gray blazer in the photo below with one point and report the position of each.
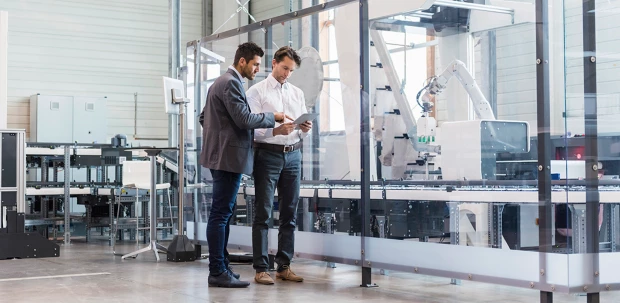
(228, 126)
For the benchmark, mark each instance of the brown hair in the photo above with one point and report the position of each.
(247, 51)
(287, 51)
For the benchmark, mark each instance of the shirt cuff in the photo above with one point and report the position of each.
(263, 133)
(302, 135)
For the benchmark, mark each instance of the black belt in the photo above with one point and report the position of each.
(278, 148)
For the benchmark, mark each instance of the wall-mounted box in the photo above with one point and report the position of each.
(63, 119)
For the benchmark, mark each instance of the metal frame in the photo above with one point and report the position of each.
(279, 19)
(67, 196)
(364, 39)
(591, 138)
(543, 110)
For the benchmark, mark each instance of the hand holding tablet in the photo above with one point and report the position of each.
(305, 118)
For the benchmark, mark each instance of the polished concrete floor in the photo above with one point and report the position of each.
(91, 273)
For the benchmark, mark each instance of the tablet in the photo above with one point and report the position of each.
(305, 117)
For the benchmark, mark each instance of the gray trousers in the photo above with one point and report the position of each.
(282, 171)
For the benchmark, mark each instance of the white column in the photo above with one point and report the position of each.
(4, 33)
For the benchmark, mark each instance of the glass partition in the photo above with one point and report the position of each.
(454, 116)
(592, 120)
(327, 218)
(474, 142)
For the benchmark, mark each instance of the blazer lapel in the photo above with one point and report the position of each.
(245, 99)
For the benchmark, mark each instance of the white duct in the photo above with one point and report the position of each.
(386, 8)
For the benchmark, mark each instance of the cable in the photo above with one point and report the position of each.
(426, 86)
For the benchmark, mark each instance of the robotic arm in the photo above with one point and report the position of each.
(437, 84)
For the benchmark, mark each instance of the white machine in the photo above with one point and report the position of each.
(460, 150)
(458, 69)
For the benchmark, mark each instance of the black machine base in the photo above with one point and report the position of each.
(26, 245)
(181, 250)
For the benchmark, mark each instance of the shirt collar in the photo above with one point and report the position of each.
(275, 84)
(238, 74)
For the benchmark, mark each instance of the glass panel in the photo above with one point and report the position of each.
(596, 58)
(326, 220)
(454, 125)
(591, 136)
(261, 10)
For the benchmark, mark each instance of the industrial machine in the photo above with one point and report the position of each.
(15, 242)
(89, 196)
(466, 150)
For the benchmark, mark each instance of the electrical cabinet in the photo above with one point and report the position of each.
(63, 119)
(12, 174)
(15, 242)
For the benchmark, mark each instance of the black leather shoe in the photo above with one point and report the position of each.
(234, 274)
(225, 279)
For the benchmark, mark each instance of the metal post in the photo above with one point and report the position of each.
(364, 38)
(174, 61)
(67, 200)
(455, 228)
(181, 168)
(543, 100)
(181, 248)
(316, 127)
(268, 48)
(153, 201)
(198, 106)
(591, 140)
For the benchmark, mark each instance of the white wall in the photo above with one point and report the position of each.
(95, 48)
(516, 50)
(516, 73)
(4, 18)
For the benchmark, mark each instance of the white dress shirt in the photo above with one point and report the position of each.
(271, 96)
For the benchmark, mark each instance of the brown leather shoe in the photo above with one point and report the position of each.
(289, 275)
(263, 278)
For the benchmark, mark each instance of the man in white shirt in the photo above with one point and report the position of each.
(277, 164)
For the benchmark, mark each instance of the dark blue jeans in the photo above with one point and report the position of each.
(225, 188)
(282, 171)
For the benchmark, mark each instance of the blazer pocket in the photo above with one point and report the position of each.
(242, 144)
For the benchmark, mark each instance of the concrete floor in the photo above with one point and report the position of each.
(90, 273)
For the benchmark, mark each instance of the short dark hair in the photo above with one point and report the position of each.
(287, 51)
(247, 51)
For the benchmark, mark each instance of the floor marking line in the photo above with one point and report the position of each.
(53, 277)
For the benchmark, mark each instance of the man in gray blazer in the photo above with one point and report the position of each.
(228, 134)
